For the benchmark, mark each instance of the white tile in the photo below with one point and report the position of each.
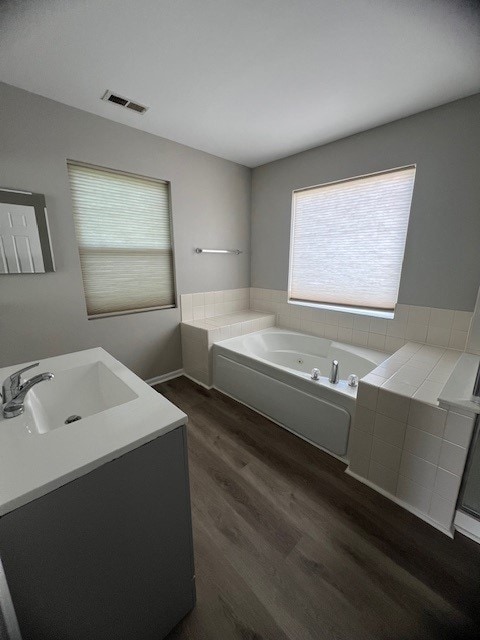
(417, 332)
(441, 318)
(360, 465)
(236, 329)
(422, 444)
(376, 381)
(426, 417)
(364, 419)
(410, 375)
(209, 297)
(393, 344)
(186, 306)
(442, 511)
(319, 315)
(198, 299)
(420, 315)
(359, 444)
(399, 388)
(378, 325)
(461, 320)
(414, 494)
(359, 338)
(376, 341)
(418, 470)
(389, 430)
(247, 327)
(218, 297)
(429, 392)
(367, 395)
(393, 405)
(428, 353)
(383, 477)
(452, 458)
(361, 323)
(447, 485)
(344, 335)
(332, 317)
(346, 320)
(209, 310)
(438, 336)
(396, 329)
(279, 296)
(386, 454)
(458, 429)
(331, 332)
(219, 307)
(458, 340)
(199, 313)
(401, 313)
(318, 329)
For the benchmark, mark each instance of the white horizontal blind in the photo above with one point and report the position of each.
(124, 237)
(348, 240)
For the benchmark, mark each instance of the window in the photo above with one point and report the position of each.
(124, 235)
(348, 241)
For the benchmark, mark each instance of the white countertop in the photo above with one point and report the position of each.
(33, 464)
(457, 392)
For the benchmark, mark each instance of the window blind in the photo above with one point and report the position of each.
(348, 240)
(124, 236)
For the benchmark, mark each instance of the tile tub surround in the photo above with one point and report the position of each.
(198, 336)
(402, 443)
(438, 327)
(211, 304)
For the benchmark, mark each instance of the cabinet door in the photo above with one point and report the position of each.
(107, 556)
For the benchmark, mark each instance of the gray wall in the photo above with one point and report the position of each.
(442, 259)
(44, 315)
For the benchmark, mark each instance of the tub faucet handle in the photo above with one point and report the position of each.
(315, 374)
(352, 380)
(334, 372)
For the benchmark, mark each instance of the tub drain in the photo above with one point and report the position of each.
(73, 418)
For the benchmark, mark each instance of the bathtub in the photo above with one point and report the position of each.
(269, 371)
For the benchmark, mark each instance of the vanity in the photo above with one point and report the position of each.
(95, 521)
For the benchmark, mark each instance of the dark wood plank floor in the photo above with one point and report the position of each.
(287, 546)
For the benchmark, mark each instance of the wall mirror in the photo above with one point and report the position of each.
(25, 245)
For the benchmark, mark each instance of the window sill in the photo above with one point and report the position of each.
(361, 311)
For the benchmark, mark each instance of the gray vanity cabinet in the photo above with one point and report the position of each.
(109, 555)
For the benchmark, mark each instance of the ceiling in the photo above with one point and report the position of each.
(247, 80)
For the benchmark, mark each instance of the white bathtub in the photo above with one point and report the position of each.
(269, 371)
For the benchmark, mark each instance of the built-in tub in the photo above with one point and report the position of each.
(270, 371)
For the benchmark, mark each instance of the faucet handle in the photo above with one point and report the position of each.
(15, 378)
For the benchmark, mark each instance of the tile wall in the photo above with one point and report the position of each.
(210, 304)
(439, 327)
(403, 443)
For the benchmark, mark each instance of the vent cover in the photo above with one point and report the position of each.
(108, 96)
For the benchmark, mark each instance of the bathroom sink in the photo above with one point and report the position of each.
(74, 394)
(118, 412)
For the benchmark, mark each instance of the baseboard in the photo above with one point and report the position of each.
(165, 377)
(467, 525)
(401, 503)
(202, 384)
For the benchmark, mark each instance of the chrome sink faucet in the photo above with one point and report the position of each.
(14, 391)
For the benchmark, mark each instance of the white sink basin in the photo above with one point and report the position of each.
(81, 391)
(119, 412)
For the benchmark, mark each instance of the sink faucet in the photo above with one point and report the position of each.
(14, 392)
(334, 372)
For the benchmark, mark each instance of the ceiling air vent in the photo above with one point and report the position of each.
(123, 102)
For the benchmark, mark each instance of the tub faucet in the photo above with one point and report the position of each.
(334, 372)
(14, 392)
